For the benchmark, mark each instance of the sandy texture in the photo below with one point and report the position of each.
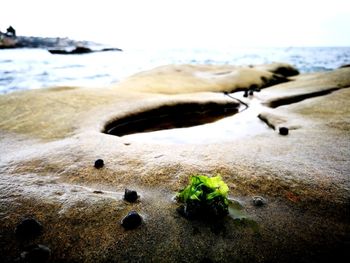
(50, 139)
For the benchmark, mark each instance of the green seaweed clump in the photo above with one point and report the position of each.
(204, 198)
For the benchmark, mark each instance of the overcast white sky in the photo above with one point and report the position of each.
(184, 23)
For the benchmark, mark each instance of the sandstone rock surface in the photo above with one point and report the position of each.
(50, 138)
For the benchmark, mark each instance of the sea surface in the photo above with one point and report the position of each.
(23, 69)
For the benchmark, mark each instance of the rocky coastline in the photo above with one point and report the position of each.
(280, 143)
(61, 45)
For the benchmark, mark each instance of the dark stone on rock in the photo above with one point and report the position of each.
(132, 220)
(245, 94)
(283, 130)
(253, 87)
(29, 228)
(99, 163)
(36, 254)
(130, 195)
(258, 201)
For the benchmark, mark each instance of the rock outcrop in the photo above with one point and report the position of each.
(57, 45)
(50, 139)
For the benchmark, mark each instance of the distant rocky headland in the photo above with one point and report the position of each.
(61, 45)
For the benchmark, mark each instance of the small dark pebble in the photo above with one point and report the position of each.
(245, 93)
(29, 228)
(225, 92)
(36, 254)
(132, 220)
(97, 192)
(258, 201)
(283, 130)
(99, 163)
(253, 87)
(130, 195)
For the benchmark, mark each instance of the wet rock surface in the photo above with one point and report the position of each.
(49, 138)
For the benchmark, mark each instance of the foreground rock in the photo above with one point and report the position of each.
(50, 139)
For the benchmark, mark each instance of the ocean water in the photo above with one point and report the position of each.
(22, 69)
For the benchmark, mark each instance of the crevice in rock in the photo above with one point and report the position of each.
(265, 119)
(281, 101)
(179, 115)
(271, 120)
(274, 80)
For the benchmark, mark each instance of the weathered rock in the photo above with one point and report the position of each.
(49, 137)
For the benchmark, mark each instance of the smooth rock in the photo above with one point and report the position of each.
(258, 201)
(132, 220)
(52, 136)
(130, 195)
(99, 163)
(283, 130)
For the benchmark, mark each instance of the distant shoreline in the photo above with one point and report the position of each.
(43, 42)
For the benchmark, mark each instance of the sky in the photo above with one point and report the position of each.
(184, 23)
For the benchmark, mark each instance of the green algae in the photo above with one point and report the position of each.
(204, 197)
